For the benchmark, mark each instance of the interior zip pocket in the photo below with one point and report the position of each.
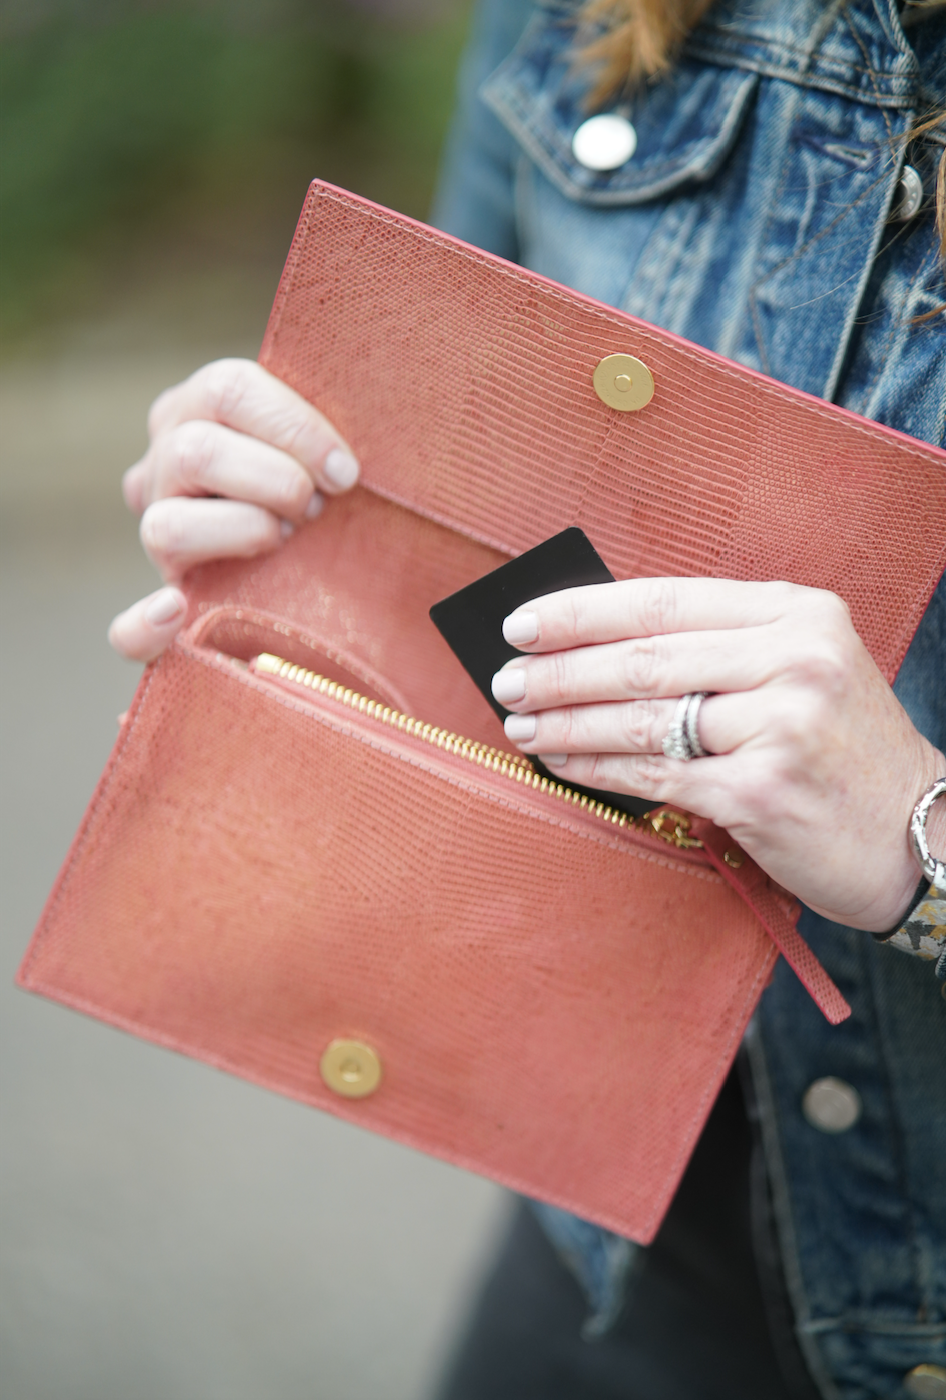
(664, 824)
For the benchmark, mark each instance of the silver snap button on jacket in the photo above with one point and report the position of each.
(909, 195)
(831, 1105)
(926, 1383)
(604, 142)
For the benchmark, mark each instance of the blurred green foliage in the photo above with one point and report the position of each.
(122, 120)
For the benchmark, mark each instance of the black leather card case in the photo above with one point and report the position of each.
(471, 621)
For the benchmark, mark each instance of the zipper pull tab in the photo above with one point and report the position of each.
(777, 913)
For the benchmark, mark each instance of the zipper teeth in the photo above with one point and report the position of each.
(671, 827)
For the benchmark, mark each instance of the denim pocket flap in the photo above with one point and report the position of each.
(685, 125)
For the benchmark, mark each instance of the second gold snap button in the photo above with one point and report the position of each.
(350, 1068)
(623, 382)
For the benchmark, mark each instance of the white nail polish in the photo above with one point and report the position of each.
(553, 760)
(314, 508)
(509, 685)
(164, 607)
(521, 728)
(341, 468)
(521, 627)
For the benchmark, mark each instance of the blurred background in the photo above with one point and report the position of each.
(170, 1233)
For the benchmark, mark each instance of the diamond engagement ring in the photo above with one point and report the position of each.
(682, 739)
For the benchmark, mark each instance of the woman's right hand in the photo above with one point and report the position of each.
(236, 460)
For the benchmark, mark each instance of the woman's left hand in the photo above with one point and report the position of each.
(814, 765)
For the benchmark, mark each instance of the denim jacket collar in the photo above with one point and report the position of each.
(687, 124)
(811, 191)
(856, 48)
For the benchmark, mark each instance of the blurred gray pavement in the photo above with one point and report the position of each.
(169, 1233)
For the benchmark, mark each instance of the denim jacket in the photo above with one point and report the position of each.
(755, 218)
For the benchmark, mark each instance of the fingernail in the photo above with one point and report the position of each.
(553, 760)
(165, 607)
(521, 728)
(509, 685)
(521, 627)
(314, 507)
(341, 468)
(286, 528)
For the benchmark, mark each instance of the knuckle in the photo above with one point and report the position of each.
(644, 776)
(570, 621)
(651, 771)
(801, 720)
(600, 771)
(640, 665)
(302, 434)
(754, 798)
(637, 726)
(570, 726)
(824, 663)
(224, 387)
(558, 676)
(660, 607)
(291, 490)
(788, 595)
(192, 449)
(815, 607)
(833, 608)
(820, 643)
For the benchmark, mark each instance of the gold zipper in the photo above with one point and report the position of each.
(672, 827)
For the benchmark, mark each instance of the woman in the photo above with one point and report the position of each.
(766, 187)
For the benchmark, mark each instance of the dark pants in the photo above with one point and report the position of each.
(696, 1325)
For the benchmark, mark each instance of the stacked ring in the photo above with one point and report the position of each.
(682, 739)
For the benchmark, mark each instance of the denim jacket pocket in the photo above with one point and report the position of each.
(685, 127)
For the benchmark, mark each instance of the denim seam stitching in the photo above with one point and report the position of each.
(552, 157)
(894, 101)
(800, 252)
(867, 266)
(733, 38)
(784, 1212)
(815, 57)
(869, 965)
(894, 327)
(753, 309)
(844, 10)
(813, 53)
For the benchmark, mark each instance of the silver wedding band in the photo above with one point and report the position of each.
(682, 739)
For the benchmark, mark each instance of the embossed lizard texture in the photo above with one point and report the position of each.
(555, 1001)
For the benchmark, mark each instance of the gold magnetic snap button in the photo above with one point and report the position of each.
(734, 858)
(623, 382)
(350, 1068)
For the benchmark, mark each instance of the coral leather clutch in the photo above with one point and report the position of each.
(310, 860)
